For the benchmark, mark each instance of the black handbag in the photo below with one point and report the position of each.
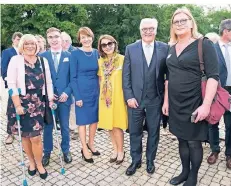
(48, 118)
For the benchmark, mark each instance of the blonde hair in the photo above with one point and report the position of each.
(109, 37)
(25, 38)
(194, 31)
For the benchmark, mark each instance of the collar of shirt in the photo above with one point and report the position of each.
(151, 44)
(16, 49)
(221, 44)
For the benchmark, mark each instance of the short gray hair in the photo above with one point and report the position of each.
(152, 21)
(67, 35)
(214, 37)
(225, 24)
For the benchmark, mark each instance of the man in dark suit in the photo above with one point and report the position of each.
(143, 86)
(6, 56)
(223, 48)
(59, 63)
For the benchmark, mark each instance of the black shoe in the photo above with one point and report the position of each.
(58, 125)
(67, 157)
(46, 160)
(90, 160)
(150, 167)
(31, 172)
(132, 168)
(44, 175)
(179, 179)
(96, 153)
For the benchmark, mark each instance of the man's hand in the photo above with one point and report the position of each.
(132, 103)
(63, 97)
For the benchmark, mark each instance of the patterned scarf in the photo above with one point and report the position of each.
(108, 66)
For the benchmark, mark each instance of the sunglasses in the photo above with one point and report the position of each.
(109, 44)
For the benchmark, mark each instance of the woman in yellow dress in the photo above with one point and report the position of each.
(112, 107)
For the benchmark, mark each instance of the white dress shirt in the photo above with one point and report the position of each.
(148, 51)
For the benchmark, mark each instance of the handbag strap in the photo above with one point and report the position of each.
(44, 73)
(200, 53)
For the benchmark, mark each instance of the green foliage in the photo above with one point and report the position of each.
(120, 20)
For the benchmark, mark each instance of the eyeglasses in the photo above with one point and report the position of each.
(180, 22)
(27, 44)
(66, 41)
(53, 37)
(151, 29)
(109, 44)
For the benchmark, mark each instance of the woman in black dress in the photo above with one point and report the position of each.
(25, 73)
(183, 93)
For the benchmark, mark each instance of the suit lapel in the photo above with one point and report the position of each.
(220, 55)
(60, 62)
(52, 66)
(14, 53)
(140, 59)
(157, 51)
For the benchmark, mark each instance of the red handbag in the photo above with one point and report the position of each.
(222, 99)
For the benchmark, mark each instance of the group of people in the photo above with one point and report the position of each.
(116, 92)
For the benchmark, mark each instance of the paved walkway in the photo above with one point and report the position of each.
(102, 172)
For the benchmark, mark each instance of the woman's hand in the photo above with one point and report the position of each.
(51, 103)
(202, 112)
(165, 108)
(20, 110)
(79, 103)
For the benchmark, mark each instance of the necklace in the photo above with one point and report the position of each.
(88, 55)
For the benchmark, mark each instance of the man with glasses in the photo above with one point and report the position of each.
(143, 85)
(59, 63)
(6, 56)
(223, 48)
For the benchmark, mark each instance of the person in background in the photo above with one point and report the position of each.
(67, 42)
(85, 86)
(183, 97)
(143, 86)
(59, 62)
(7, 54)
(42, 43)
(223, 49)
(112, 107)
(25, 73)
(66, 46)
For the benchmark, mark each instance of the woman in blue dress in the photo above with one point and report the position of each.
(85, 85)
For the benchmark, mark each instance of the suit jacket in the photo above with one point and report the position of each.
(7, 54)
(223, 72)
(133, 70)
(61, 79)
(16, 77)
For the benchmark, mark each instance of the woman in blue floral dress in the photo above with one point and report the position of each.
(25, 73)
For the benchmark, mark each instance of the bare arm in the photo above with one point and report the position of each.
(165, 107)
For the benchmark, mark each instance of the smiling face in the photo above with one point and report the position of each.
(54, 40)
(108, 46)
(182, 24)
(148, 32)
(86, 40)
(29, 48)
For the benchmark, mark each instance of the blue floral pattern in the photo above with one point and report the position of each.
(33, 121)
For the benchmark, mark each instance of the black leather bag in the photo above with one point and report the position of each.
(48, 118)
